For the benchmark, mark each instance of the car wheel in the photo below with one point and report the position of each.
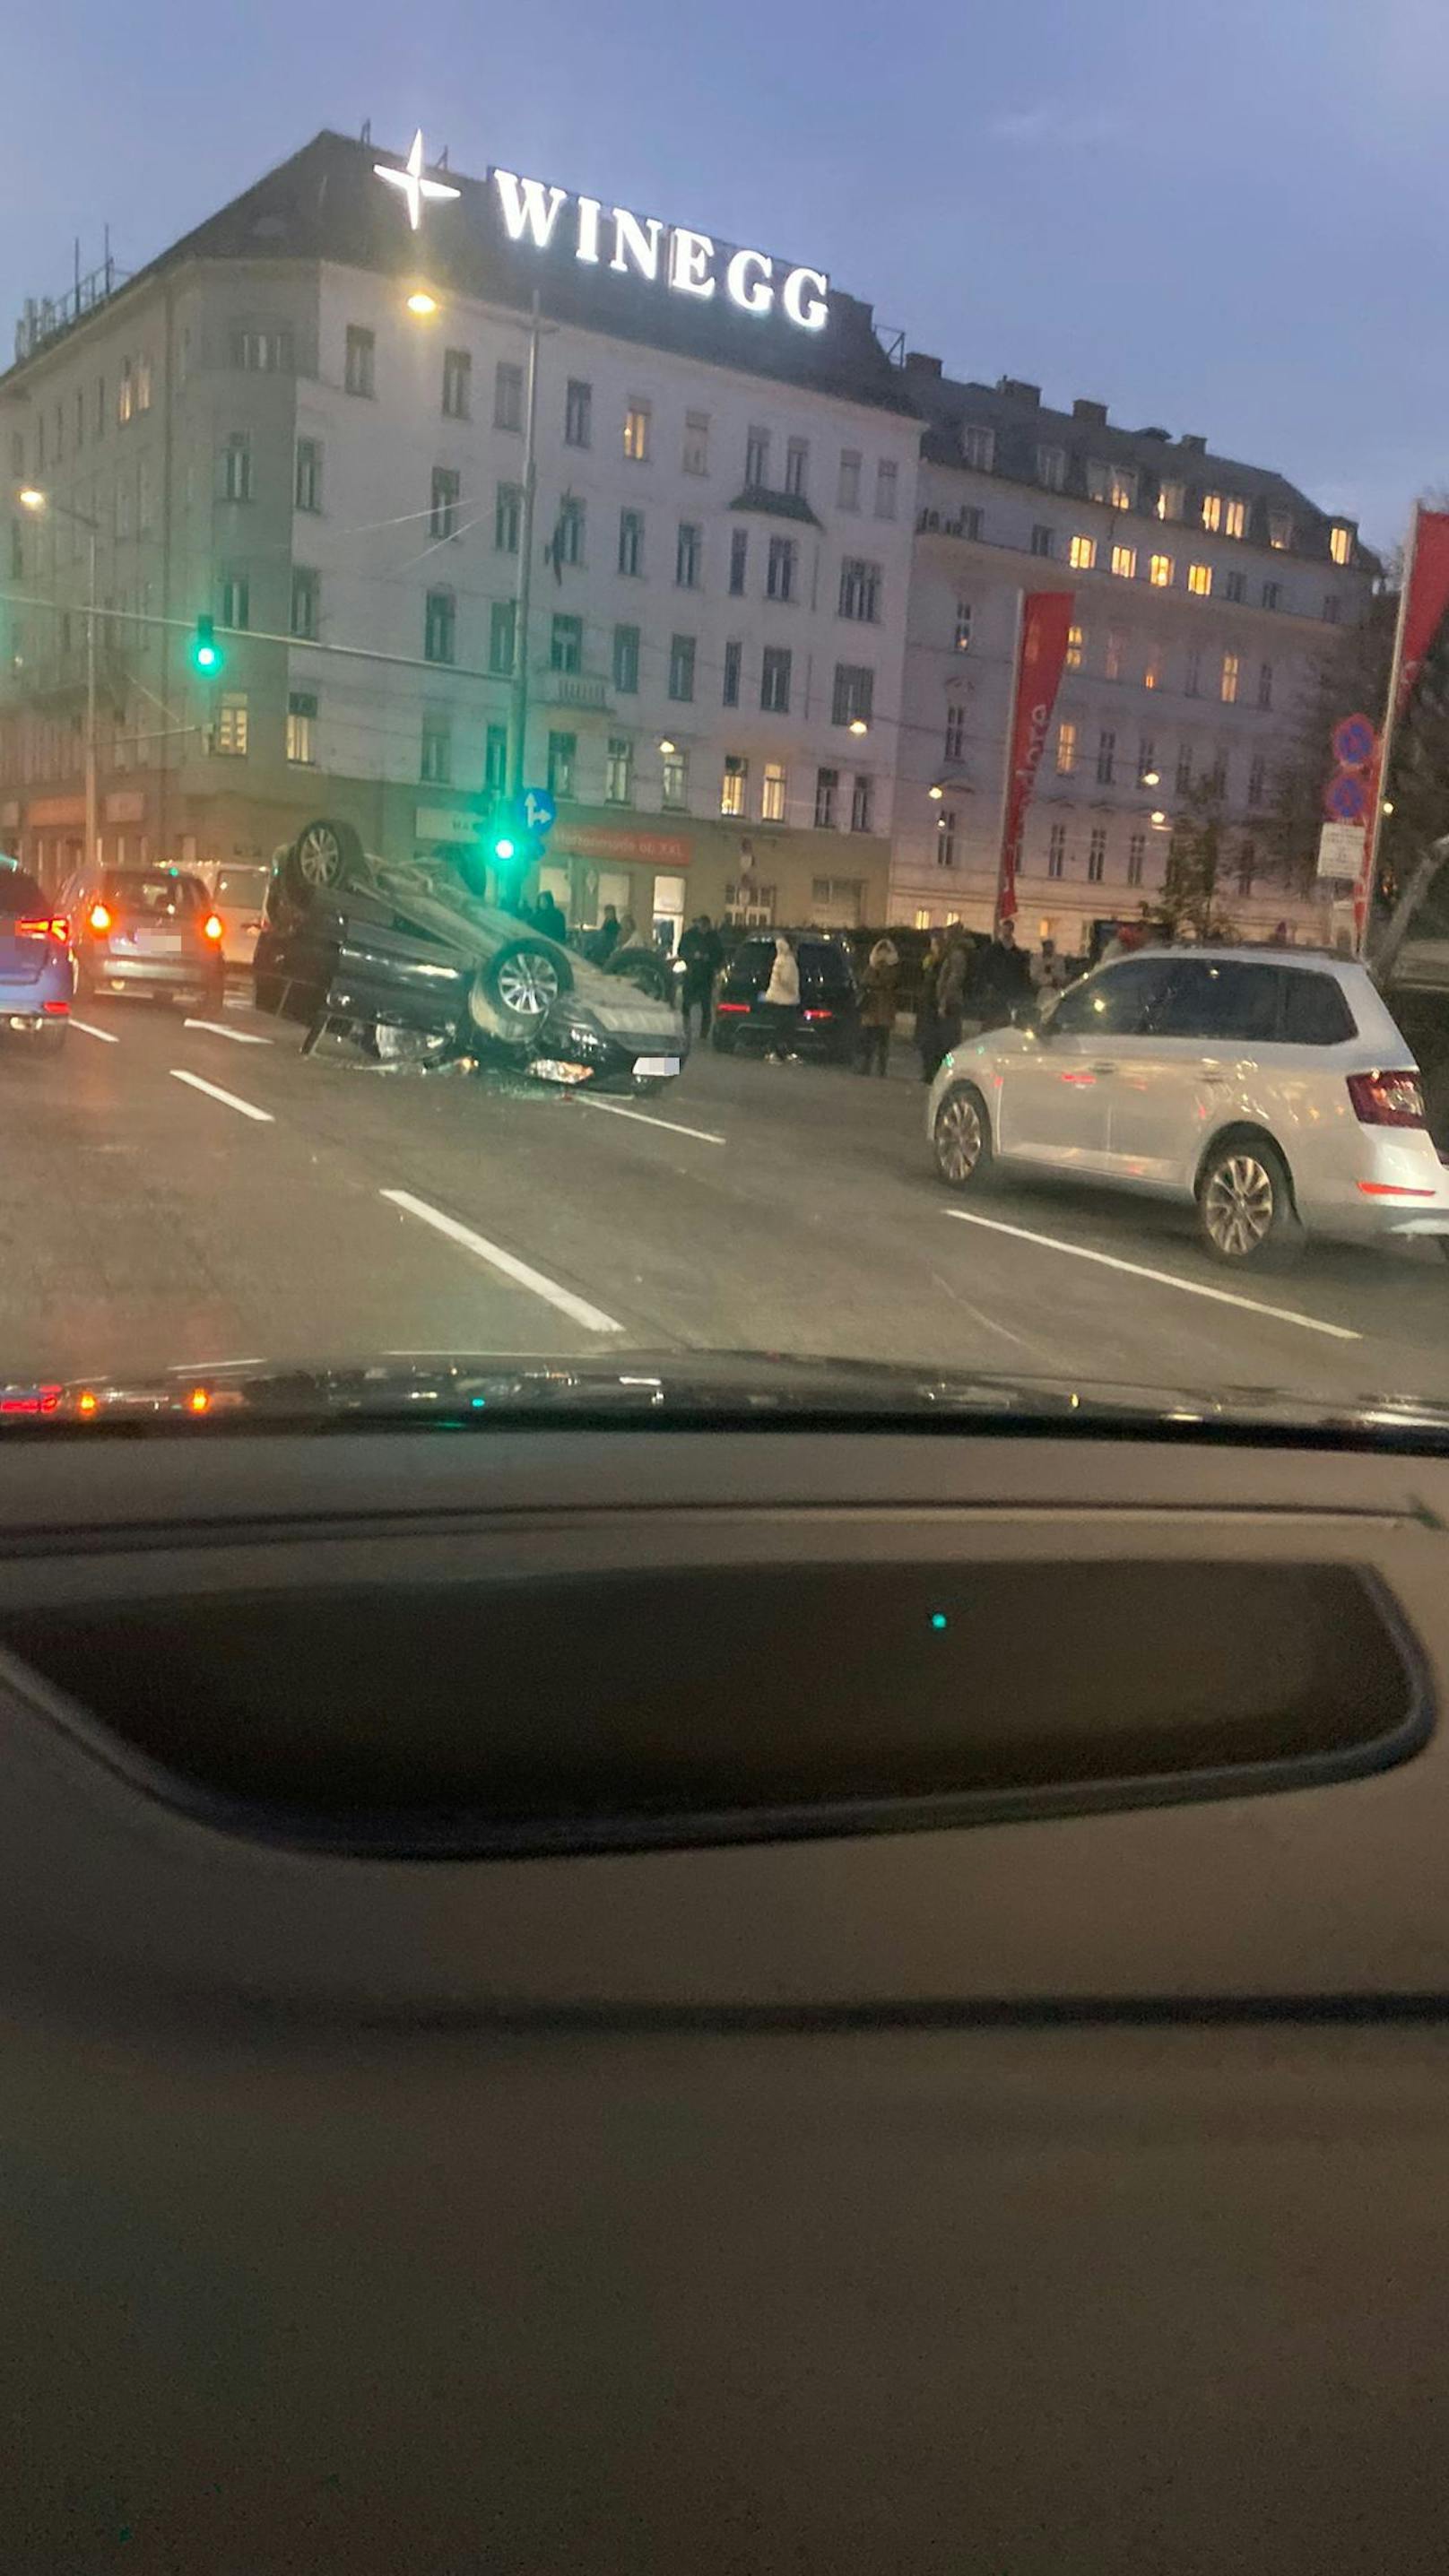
(961, 1136)
(1245, 1205)
(324, 856)
(523, 982)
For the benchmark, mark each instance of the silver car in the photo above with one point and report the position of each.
(1269, 1086)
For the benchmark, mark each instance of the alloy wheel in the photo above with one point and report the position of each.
(959, 1137)
(319, 856)
(1238, 1206)
(528, 983)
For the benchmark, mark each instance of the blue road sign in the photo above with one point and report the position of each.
(538, 809)
(1347, 798)
(1353, 742)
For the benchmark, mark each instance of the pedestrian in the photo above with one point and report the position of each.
(550, 919)
(606, 937)
(926, 1022)
(781, 1001)
(951, 979)
(702, 953)
(878, 1007)
(632, 936)
(1003, 976)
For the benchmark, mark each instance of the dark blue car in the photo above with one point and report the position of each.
(37, 963)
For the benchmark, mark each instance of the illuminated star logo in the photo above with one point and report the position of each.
(411, 181)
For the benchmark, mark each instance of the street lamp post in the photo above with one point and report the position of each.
(36, 501)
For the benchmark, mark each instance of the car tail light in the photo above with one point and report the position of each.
(199, 1400)
(56, 1010)
(820, 1015)
(44, 925)
(721, 1008)
(211, 927)
(99, 919)
(1386, 1099)
(35, 1399)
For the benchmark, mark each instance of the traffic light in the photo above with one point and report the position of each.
(206, 654)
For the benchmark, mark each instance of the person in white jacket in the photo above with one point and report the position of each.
(782, 1001)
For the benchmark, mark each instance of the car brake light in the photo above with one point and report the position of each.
(198, 1401)
(56, 1010)
(43, 925)
(211, 927)
(99, 918)
(721, 1007)
(1386, 1099)
(820, 1015)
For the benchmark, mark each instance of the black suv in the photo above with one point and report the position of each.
(826, 1021)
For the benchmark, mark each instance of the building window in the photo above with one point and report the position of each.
(307, 488)
(860, 590)
(1192, 675)
(566, 644)
(457, 384)
(302, 729)
(1212, 510)
(507, 517)
(853, 694)
(978, 447)
(501, 620)
(1066, 747)
(618, 766)
(626, 660)
(440, 626)
(885, 488)
(563, 752)
(1124, 562)
(495, 759)
(435, 764)
(797, 460)
(360, 366)
(236, 468)
(967, 523)
(674, 789)
(1235, 588)
(125, 405)
(1272, 594)
(1280, 529)
(631, 541)
(688, 551)
(235, 599)
(1076, 647)
(1340, 542)
(961, 632)
(636, 432)
(1097, 855)
(1152, 667)
(739, 557)
(955, 744)
(1114, 484)
(1159, 572)
(443, 506)
(847, 490)
(1115, 655)
(681, 666)
(775, 681)
(568, 534)
(1106, 758)
(306, 603)
(1057, 850)
(1183, 778)
(257, 353)
(578, 413)
(1265, 684)
(772, 793)
(1051, 468)
(1136, 856)
(507, 395)
(862, 801)
(1257, 779)
(143, 391)
(1228, 684)
(827, 788)
(1200, 580)
(231, 726)
(1245, 870)
(733, 784)
(732, 658)
(1043, 539)
(757, 458)
(1331, 609)
(1146, 764)
(1171, 498)
(695, 458)
(1082, 554)
(1235, 518)
(780, 568)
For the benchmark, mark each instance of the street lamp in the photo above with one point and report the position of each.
(936, 792)
(858, 725)
(422, 303)
(667, 748)
(36, 501)
(1150, 778)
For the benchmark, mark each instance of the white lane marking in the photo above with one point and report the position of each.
(228, 1099)
(238, 1037)
(593, 1319)
(642, 1118)
(1163, 1278)
(107, 1036)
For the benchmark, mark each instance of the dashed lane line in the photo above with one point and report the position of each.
(643, 1118)
(228, 1099)
(578, 1309)
(1162, 1278)
(107, 1036)
(238, 1037)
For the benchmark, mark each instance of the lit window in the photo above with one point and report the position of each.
(278, 338)
(1280, 529)
(231, 727)
(733, 784)
(1051, 468)
(1212, 510)
(1159, 572)
(922, 919)
(302, 730)
(435, 767)
(618, 770)
(695, 459)
(1170, 498)
(1200, 580)
(1076, 647)
(1082, 553)
(1235, 518)
(978, 447)
(1066, 748)
(1114, 484)
(1340, 542)
(772, 793)
(125, 405)
(636, 433)
(1124, 562)
(1229, 683)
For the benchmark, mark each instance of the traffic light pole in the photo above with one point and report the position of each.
(523, 597)
(93, 819)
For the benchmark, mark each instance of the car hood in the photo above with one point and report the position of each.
(738, 1389)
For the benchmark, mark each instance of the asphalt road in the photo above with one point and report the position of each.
(150, 1221)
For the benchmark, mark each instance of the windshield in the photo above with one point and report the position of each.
(726, 803)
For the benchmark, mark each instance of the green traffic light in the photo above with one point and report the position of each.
(503, 850)
(207, 657)
(206, 653)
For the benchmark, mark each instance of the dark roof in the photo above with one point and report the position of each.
(325, 204)
(775, 505)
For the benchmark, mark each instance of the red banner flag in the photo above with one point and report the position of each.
(1046, 616)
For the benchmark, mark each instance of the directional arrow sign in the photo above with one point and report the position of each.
(538, 809)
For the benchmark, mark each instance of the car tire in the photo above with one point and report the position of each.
(325, 856)
(1245, 1209)
(520, 985)
(961, 1139)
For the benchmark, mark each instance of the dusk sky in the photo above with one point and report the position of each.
(1227, 217)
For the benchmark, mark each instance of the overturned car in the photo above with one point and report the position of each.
(404, 959)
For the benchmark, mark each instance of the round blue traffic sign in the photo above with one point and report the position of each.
(1354, 741)
(1347, 798)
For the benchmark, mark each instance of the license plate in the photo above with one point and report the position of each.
(652, 1064)
(158, 943)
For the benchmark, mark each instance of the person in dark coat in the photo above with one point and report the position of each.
(606, 938)
(1002, 978)
(951, 980)
(878, 1006)
(550, 920)
(926, 1022)
(702, 952)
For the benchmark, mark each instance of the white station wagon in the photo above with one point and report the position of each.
(1270, 1086)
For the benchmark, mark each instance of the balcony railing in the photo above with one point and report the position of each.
(588, 690)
